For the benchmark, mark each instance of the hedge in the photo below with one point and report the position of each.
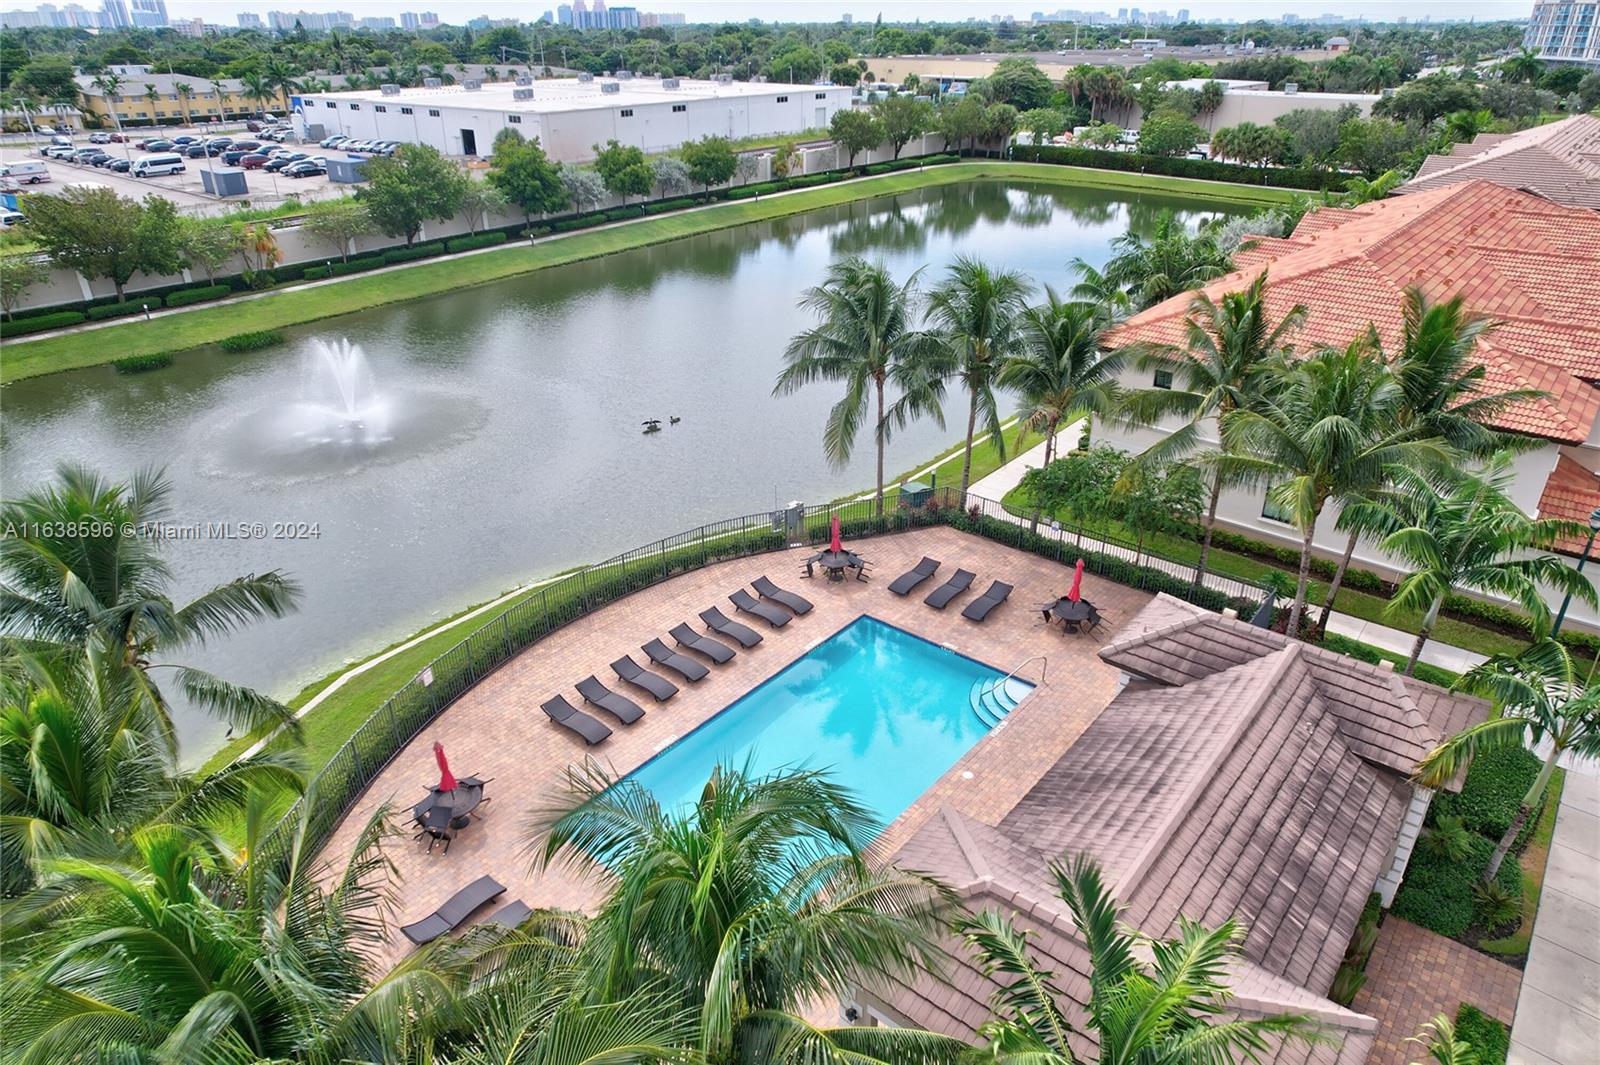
(1366, 653)
(136, 305)
(261, 338)
(316, 273)
(1489, 798)
(663, 206)
(355, 266)
(156, 360)
(415, 251)
(38, 323)
(1490, 1038)
(476, 240)
(1203, 169)
(1437, 893)
(184, 297)
(567, 225)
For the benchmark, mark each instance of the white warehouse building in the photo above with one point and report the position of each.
(571, 115)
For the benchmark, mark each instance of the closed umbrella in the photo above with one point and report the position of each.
(834, 545)
(1077, 582)
(447, 780)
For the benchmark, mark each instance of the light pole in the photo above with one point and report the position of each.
(1594, 527)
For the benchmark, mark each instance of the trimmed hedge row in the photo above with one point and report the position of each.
(475, 241)
(38, 323)
(198, 295)
(261, 338)
(153, 296)
(414, 252)
(156, 360)
(122, 310)
(1203, 169)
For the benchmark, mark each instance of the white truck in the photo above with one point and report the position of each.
(26, 171)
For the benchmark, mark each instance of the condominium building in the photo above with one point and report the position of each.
(1565, 31)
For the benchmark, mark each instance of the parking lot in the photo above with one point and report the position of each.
(264, 189)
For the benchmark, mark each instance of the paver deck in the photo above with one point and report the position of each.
(497, 731)
(1415, 975)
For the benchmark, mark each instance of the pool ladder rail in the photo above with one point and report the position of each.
(992, 700)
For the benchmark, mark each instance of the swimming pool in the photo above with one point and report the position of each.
(888, 713)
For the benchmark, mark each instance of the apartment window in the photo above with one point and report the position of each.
(783, 99)
(680, 107)
(329, 103)
(822, 96)
(380, 107)
(1163, 379)
(433, 112)
(627, 112)
(515, 120)
(1275, 511)
(355, 107)
(405, 110)
(311, 103)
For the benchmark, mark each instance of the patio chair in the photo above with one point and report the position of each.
(722, 625)
(767, 590)
(455, 910)
(940, 597)
(568, 716)
(720, 653)
(908, 581)
(1094, 621)
(979, 608)
(667, 658)
(435, 824)
(654, 683)
(512, 914)
(746, 603)
(620, 707)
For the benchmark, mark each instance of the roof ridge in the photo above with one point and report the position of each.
(1144, 861)
(970, 850)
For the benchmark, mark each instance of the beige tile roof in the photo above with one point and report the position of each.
(1521, 260)
(1559, 161)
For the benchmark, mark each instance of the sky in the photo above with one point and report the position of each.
(892, 10)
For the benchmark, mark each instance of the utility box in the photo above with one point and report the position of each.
(223, 182)
(347, 171)
(915, 494)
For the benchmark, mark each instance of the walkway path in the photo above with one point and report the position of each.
(997, 484)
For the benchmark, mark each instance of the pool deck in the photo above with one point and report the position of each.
(497, 730)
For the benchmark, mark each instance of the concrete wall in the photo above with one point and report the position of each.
(1262, 108)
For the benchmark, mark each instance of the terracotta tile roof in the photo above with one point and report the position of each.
(1239, 774)
(1559, 161)
(1573, 493)
(1524, 262)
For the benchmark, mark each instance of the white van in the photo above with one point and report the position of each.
(158, 165)
(26, 171)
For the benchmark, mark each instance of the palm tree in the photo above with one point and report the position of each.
(1462, 126)
(257, 87)
(110, 85)
(975, 313)
(1093, 286)
(1169, 1009)
(353, 82)
(153, 95)
(1525, 65)
(86, 569)
(864, 338)
(1170, 262)
(748, 904)
(282, 76)
(1543, 700)
(1470, 535)
(1360, 190)
(1227, 350)
(184, 91)
(1327, 422)
(1444, 1044)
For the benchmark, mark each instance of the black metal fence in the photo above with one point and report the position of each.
(544, 609)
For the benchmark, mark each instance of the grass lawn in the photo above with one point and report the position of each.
(306, 303)
(1532, 860)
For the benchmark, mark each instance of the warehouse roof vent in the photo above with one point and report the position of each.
(610, 86)
(624, 75)
(722, 79)
(1291, 87)
(669, 83)
(472, 85)
(431, 83)
(585, 76)
(759, 78)
(522, 94)
(389, 88)
(524, 81)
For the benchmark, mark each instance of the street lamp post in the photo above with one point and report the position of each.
(1594, 528)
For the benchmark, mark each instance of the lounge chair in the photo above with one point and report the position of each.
(455, 910)
(568, 716)
(940, 597)
(908, 581)
(667, 658)
(654, 683)
(767, 590)
(512, 914)
(722, 625)
(720, 653)
(746, 603)
(620, 707)
(979, 608)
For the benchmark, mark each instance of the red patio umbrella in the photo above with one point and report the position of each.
(834, 545)
(447, 780)
(1077, 582)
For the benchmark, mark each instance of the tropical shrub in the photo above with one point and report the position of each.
(38, 323)
(1203, 169)
(1491, 793)
(136, 305)
(416, 251)
(355, 266)
(477, 240)
(1487, 1036)
(261, 338)
(143, 363)
(184, 297)
(316, 273)
(1437, 893)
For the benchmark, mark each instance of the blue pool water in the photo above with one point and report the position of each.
(886, 712)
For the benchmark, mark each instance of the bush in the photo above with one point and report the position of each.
(316, 273)
(186, 296)
(143, 363)
(416, 251)
(663, 206)
(1490, 1038)
(1204, 169)
(535, 232)
(355, 266)
(38, 323)
(123, 309)
(479, 240)
(567, 225)
(261, 338)
(1355, 649)
(1492, 793)
(1437, 893)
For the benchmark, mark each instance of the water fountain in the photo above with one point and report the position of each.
(342, 404)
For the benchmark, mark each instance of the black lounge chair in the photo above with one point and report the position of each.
(620, 707)
(568, 716)
(455, 910)
(722, 625)
(767, 590)
(908, 581)
(940, 597)
(746, 603)
(979, 608)
(511, 914)
(667, 658)
(654, 683)
(720, 653)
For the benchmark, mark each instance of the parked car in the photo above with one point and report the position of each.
(101, 160)
(333, 141)
(283, 161)
(304, 168)
(57, 151)
(184, 140)
(254, 161)
(45, 130)
(10, 218)
(83, 155)
(116, 138)
(232, 156)
(157, 145)
(158, 165)
(99, 138)
(120, 166)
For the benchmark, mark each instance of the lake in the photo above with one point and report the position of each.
(408, 461)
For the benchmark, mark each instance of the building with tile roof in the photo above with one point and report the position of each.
(1519, 259)
(1559, 161)
(1237, 774)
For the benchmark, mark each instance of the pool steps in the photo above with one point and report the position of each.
(992, 701)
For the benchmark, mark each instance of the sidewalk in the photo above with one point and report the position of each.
(997, 484)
